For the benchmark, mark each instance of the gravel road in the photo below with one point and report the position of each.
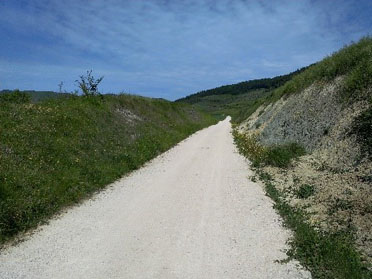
(190, 213)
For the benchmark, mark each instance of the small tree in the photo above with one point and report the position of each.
(88, 84)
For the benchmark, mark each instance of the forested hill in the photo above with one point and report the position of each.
(242, 87)
(37, 96)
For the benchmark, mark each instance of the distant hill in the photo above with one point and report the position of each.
(37, 96)
(232, 99)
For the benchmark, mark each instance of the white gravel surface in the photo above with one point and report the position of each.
(190, 213)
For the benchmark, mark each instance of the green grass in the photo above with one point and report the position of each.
(227, 104)
(37, 96)
(240, 100)
(353, 61)
(237, 100)
(282, 155)
(15, 97)
(362, 127)
(326, 255)
(277, 155)
(305, 191)
(57, 152)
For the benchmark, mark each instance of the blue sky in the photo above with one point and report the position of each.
(169, 48)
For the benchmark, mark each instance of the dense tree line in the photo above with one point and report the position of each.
(243, 87)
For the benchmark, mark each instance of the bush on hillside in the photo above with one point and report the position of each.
(362, 127)
(88, 84)
(277, 155)
(15, 97)
(282, 155)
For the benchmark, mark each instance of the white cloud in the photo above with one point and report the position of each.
(176, 47)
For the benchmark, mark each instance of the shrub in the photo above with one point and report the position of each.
(249, 146)
(15, 97)
(282, 155)
(305, 191)
(88, 84)
(277, 156)
(362, 127)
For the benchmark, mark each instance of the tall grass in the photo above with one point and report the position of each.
(362, 127)
(277, 155)
(57, 152)
(326, 255)
(353, 61)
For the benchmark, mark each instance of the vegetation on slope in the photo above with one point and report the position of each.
(362, 127)
(242, 87)
(277, 155)
(222, 105)
(35, 96)
(234, 99)
(353, 61)
(325, 254)
(323, 199)
(242, 99)
(56, 152)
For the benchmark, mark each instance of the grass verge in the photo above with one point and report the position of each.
(57, 152)
(277, 156)
(325, 255)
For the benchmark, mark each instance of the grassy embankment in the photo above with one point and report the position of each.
(325, 254)
(242, 99)
(57, 152)
(237, 100)
(353, 61)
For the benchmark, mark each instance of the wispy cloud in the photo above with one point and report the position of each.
(169, 48)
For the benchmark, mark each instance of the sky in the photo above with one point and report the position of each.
(169, 48)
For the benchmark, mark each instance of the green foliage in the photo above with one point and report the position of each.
(339, 204)
(326, 255)
(242, 87)
(57, 152)
(88, 84)
(277, 156)
(282, 155)
(359, 79)
(362, 127)
(237, 106)
(353, 61)
(237, 100)
(305, 191)
(38, 96)
(250, 147)
(15, 97)
(240, 100)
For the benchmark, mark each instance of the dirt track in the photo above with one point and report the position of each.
(190, 213)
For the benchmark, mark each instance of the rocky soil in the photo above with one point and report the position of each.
(335, 176)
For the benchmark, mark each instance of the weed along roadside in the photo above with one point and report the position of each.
(56, 152)
(325, 254)
(309, 142)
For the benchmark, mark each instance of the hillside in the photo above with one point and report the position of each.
(56, 152)
(323, 116)
(235, 98)
(37, 96)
